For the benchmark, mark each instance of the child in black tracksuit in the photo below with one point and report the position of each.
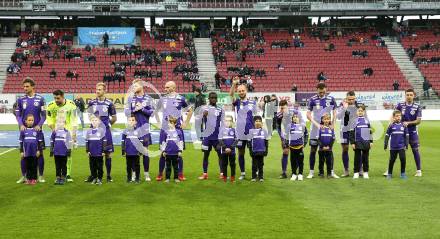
(361, 141)
(258, 146)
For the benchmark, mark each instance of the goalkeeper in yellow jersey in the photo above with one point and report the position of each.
(62, 109)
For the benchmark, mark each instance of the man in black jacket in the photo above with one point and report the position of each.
(80, 107)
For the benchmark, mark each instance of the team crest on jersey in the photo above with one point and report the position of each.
(412, 112)
(231, 133)
(144, 104)
(135, 133)
(24, 105)
(36, 103)
(401, 128)
(34, 133)
(104, 109)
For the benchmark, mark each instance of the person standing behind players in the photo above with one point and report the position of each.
(347, 114)
(259, 147)
(95, 148)
(361, 142)
(319, 105)
(226, 146)
(245, 110)
(65, 110)
(172, 105)
(31, 146)
(397, 134)
(172, 148)
(104, 109)
(411, 118)
(284, 120)
(326, 139)
(212, 118)
(296, 141)
(34, 104)
(141, 107)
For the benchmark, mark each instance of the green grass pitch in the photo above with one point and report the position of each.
(317, 208)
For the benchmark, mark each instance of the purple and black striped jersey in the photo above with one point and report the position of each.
(31, 106)
(31, 141)
(103, 109)
(95, 141)
(212, 122)
(60, 142)
(172, 105)
(320, 106)
(410, 113)
(173, 143)
(398, 135)
(244, 113)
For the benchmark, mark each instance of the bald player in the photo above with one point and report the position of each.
(245, 111)
(172, 104)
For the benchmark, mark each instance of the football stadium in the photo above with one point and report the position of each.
(219, 119)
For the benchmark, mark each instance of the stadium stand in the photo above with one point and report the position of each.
(159, 53)
(285, 66)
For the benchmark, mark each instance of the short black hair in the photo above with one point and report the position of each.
(410, 90)
(29, 80)
(321, 86)
(213, 94)
(351, 93)
(58, 92)
(362, 106)
(257, 117)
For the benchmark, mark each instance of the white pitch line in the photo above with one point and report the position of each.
(7, 151)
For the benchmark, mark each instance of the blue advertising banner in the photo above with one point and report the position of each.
(117, 35)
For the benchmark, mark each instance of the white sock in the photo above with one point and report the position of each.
(312, 171)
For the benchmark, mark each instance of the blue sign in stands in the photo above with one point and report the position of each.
(117, 35)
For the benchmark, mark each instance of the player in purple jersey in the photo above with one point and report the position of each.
(212, 118)
(172, 104)
(141, 106)
(226, 147)
(31, 104)
(411, 118)
(104, 109)
(172, 148)
(347, 114)
(259, 147)
(326, 139)
(284, 119)
(319, 105)
(245, 110)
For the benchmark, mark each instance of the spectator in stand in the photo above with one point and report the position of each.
(72, 74)
(199, 99)
(105, 39)
(321, 77)
(426, 87)
(396, 85)
(38, 62)
(88, 48)
(250, 84)
(294, 88)
(368, 71)
(280, 66)
(53, 73)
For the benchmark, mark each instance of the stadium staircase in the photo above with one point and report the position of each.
(205, 62)
(7, 48)
(408, 68)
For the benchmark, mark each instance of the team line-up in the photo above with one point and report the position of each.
(217, 132)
